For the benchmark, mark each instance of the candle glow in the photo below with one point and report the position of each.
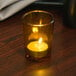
(37, 46)
(38, 29)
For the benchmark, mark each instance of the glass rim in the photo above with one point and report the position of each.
(51, 22)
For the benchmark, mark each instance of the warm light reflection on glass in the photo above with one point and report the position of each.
(39, 25)
(40, 21)
(35, 29)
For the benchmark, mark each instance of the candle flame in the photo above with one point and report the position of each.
(35, 29)
(40, 40)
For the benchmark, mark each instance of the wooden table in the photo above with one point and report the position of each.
(12, 52)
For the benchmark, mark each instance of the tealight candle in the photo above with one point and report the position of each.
(38, 48)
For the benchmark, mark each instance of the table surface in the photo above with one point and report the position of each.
(12, 53)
